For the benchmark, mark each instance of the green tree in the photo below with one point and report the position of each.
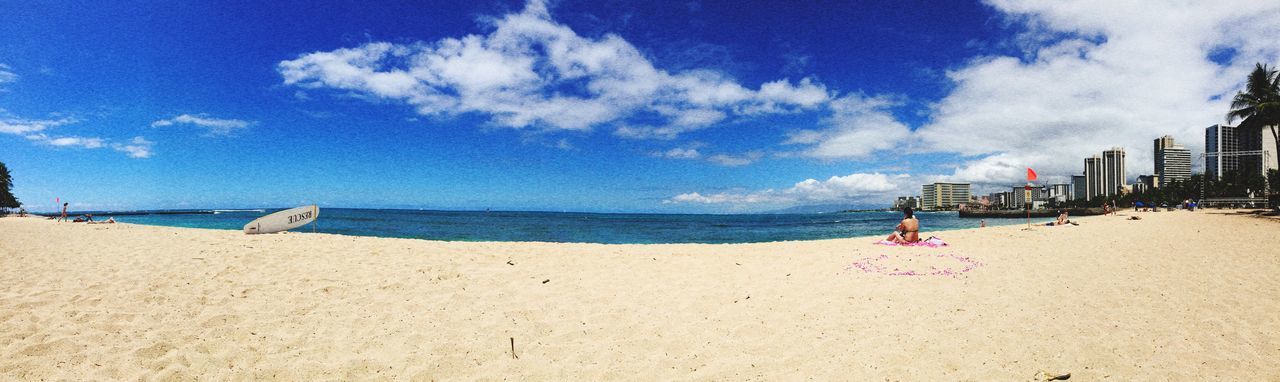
(7, 200)
(1259, 103)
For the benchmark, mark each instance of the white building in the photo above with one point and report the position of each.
(1172, 162)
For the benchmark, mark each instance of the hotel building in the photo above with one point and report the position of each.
(1093, 177)
(944, 196)
(1079, 188)
(1248, 148)
(1173, 162)
(1220, 145)
(1114, 174)
(1104, 175)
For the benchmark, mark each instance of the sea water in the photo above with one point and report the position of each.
(613, 228)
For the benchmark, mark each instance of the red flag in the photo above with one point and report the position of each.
(1031, 175)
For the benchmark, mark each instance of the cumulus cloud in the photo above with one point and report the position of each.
(214, 126)
(858, 126)
(1089, 75)
(531, 71)
(856, 186)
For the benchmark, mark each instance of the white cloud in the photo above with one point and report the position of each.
(679, 153)
(1093, 75)
(7, 75)
(28, 126)
(214, 126)
(70, 141)
(34, 130)
(138, 147)
(531, 71)
(858, 126)
(693, 151)
(861, 187)
(736, 160)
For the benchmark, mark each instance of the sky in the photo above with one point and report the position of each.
(600, 106)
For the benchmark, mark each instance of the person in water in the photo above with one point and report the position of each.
(908, 230)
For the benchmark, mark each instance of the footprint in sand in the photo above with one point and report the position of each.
(154, 351)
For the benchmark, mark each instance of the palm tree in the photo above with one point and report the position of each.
(6, 186)
(1259, 103)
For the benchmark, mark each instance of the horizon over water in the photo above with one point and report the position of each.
(605, 228)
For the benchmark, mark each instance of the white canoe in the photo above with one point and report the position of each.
(283, 220)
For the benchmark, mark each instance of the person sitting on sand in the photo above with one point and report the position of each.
(908, 230)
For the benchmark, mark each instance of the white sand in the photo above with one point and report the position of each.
(1176, 296)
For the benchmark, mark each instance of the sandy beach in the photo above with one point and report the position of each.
(1174, 296)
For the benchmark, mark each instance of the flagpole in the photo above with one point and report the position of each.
(1026, 193)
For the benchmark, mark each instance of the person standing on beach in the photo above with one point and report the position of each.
(63, 217)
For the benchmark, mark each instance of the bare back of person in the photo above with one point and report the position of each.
(910, 229)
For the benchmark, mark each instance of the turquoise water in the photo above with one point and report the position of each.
(580, 227)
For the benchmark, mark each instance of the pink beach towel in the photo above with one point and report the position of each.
(932, 242)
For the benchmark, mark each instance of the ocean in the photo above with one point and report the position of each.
(609, 228)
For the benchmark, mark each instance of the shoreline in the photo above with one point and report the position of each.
(1036, 221)
(1166, 297)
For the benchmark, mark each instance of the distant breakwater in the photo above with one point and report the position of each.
(128, 213)
(1041, 213)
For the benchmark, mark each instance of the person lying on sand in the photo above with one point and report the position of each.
(110, 220)
(1062, 220)
(908, 230)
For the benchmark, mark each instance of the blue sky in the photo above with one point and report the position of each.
(594, 106)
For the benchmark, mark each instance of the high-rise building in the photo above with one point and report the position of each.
(1248, 148)
(1220, 146)
(1113, 171)
(1079, 188)
(998, 200)
(1020, 195)
(942, 196)
(1255, 138)
(1060, 192)
(1173, 162)
(1093, 177)
(906, 201)
(1147, 182)
(1105, 175)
